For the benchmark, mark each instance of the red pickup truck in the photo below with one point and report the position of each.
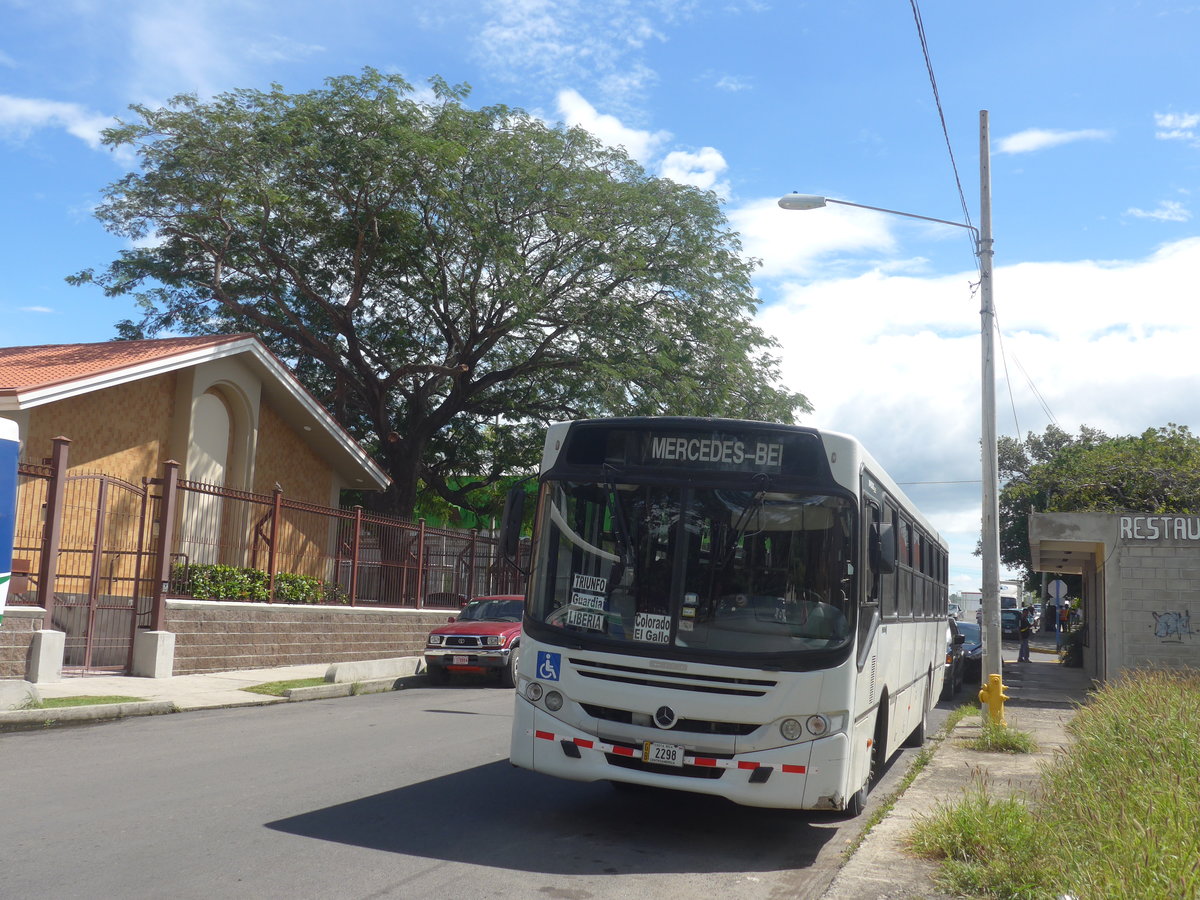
(485, 637)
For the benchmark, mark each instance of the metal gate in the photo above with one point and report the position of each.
(104, 581)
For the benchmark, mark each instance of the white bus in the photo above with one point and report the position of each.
(734, 608)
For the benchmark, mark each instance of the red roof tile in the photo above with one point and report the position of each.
(29, 368)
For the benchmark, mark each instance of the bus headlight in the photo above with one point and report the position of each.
(554, 701)
(817, 725)
(533, 691)
(790, 729)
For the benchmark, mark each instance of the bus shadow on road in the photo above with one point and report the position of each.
(497, 815)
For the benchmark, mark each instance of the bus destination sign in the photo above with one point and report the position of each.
(714, 452)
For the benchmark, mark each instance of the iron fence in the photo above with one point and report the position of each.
(320, 554)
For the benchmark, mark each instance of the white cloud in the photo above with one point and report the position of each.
(1041, 138)
(572, 40)
(36, 309)
(1168, 211)
(21, 116)
(1176, 126)
(641, 145)
(791, 244)
(700, 169)
(276, 49)
(732, 83)
(175, 48)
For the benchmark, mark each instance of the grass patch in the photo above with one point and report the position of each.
(1122, 805)
(990, 847)
(280, 688)
(918, 765)
(1002, 739)
(64, 702)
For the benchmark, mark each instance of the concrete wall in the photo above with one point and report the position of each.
(1158, 580)
(215, 636)
(16, 632)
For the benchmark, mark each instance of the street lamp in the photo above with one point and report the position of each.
(991, 470)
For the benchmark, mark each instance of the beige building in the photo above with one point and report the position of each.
(244, 434)
(1141, 584)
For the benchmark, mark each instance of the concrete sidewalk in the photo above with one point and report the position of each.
(179, 693)
(1043, 698)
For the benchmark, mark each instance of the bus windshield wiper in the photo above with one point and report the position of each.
(628, 563)
(752, 508)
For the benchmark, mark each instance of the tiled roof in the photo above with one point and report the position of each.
(29, 368)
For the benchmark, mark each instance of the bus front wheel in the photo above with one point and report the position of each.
(858, 800)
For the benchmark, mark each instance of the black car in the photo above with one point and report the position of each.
(1010, 625)
(953, 680)
(972, 651)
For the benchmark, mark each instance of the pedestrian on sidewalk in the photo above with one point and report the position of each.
(1024, 627)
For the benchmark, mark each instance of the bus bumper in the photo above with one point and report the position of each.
(808, 775)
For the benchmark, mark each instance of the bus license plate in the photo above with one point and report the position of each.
(460, 661)
(662, 754)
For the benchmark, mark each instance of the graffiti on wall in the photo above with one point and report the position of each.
(1171, 627)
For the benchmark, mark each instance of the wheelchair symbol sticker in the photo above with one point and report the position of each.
(548, 665)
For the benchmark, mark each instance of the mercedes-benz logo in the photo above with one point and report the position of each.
(664, 717)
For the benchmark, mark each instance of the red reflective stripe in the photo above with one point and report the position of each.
(704, 761)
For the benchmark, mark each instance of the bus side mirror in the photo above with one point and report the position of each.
(510, 523)
(883, 548)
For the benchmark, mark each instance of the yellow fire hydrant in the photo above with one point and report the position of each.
(993, 695)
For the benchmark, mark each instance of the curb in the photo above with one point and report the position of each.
(24, 719)
(27, 719)
(352, 688)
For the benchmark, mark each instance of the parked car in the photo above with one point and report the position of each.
(1010, 624)
(484, 638)
(972, 651)
(953, 681)
(955, 611)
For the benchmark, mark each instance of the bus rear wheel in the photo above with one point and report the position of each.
(917, 738)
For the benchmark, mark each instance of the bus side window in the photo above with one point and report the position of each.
(918, 577)
(889, 588)
(904, 574)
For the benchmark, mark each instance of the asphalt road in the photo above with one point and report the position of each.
(406, 794)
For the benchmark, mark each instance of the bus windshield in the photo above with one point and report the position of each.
(693, 569)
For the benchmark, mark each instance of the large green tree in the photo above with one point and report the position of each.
(445, 279)
(1157, 471)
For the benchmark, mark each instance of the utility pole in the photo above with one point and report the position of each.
(992, 659)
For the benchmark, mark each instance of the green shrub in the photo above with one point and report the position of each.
(217, 582)
(291, 588)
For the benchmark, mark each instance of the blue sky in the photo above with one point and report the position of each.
(1095, 153)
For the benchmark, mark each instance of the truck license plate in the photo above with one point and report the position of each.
(662, 754)
(460, 661)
